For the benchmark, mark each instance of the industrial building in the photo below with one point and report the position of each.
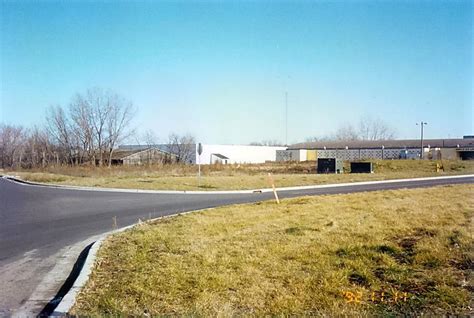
(237, 154)
(388, 149)
(224, 154)
(308, 151)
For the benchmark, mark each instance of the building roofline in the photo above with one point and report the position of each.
(143, 150)
(387, 144)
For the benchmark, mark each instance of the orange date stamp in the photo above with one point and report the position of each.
(359, 297)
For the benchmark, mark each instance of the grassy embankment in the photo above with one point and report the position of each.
(380, 253)
(232, 177)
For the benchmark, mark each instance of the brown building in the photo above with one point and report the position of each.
(141, 157)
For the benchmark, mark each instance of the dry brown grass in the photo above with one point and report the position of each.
(232, 177)
(354, 254)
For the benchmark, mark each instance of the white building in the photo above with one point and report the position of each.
(236, 154)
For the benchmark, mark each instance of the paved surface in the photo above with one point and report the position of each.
(43, 230)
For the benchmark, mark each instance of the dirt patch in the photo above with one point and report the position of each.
(358, 279)
(409, 242)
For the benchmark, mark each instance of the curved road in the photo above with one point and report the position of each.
(42, 227)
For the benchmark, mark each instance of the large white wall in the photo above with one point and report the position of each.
(238, 153)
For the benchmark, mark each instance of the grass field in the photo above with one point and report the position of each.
(379, 253)
(232, 177)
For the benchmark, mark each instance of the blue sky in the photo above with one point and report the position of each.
(220, 70)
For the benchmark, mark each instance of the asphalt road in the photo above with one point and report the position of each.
(42, 227)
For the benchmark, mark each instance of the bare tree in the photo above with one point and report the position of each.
(81, 114)
(184, 147)
(120, 115)
(368, 129)
(93, 126)
(44, 146)
(100, 104)
(20, 147)
(346, 132)
(38, 148)
(374, 129)
(12, 140)
(149, 138)
(59, 127)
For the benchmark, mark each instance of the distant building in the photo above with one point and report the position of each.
(237, 154)
(225, 154)
(187, 150)
(389, 149)
(141, 157)
(310, 151)
(218, 158)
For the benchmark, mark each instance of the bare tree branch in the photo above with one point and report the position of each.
(183, 147)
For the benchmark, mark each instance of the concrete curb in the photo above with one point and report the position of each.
(68, 187)
(265, 190)
(69, 299)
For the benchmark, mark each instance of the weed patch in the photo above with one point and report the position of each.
(232, 177)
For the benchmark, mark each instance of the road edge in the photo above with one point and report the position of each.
(69, 299)
(265, 190)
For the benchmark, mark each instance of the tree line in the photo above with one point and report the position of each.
(368, 128)
(87, 131)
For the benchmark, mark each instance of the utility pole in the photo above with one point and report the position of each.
(422, 124)
(286, 118)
